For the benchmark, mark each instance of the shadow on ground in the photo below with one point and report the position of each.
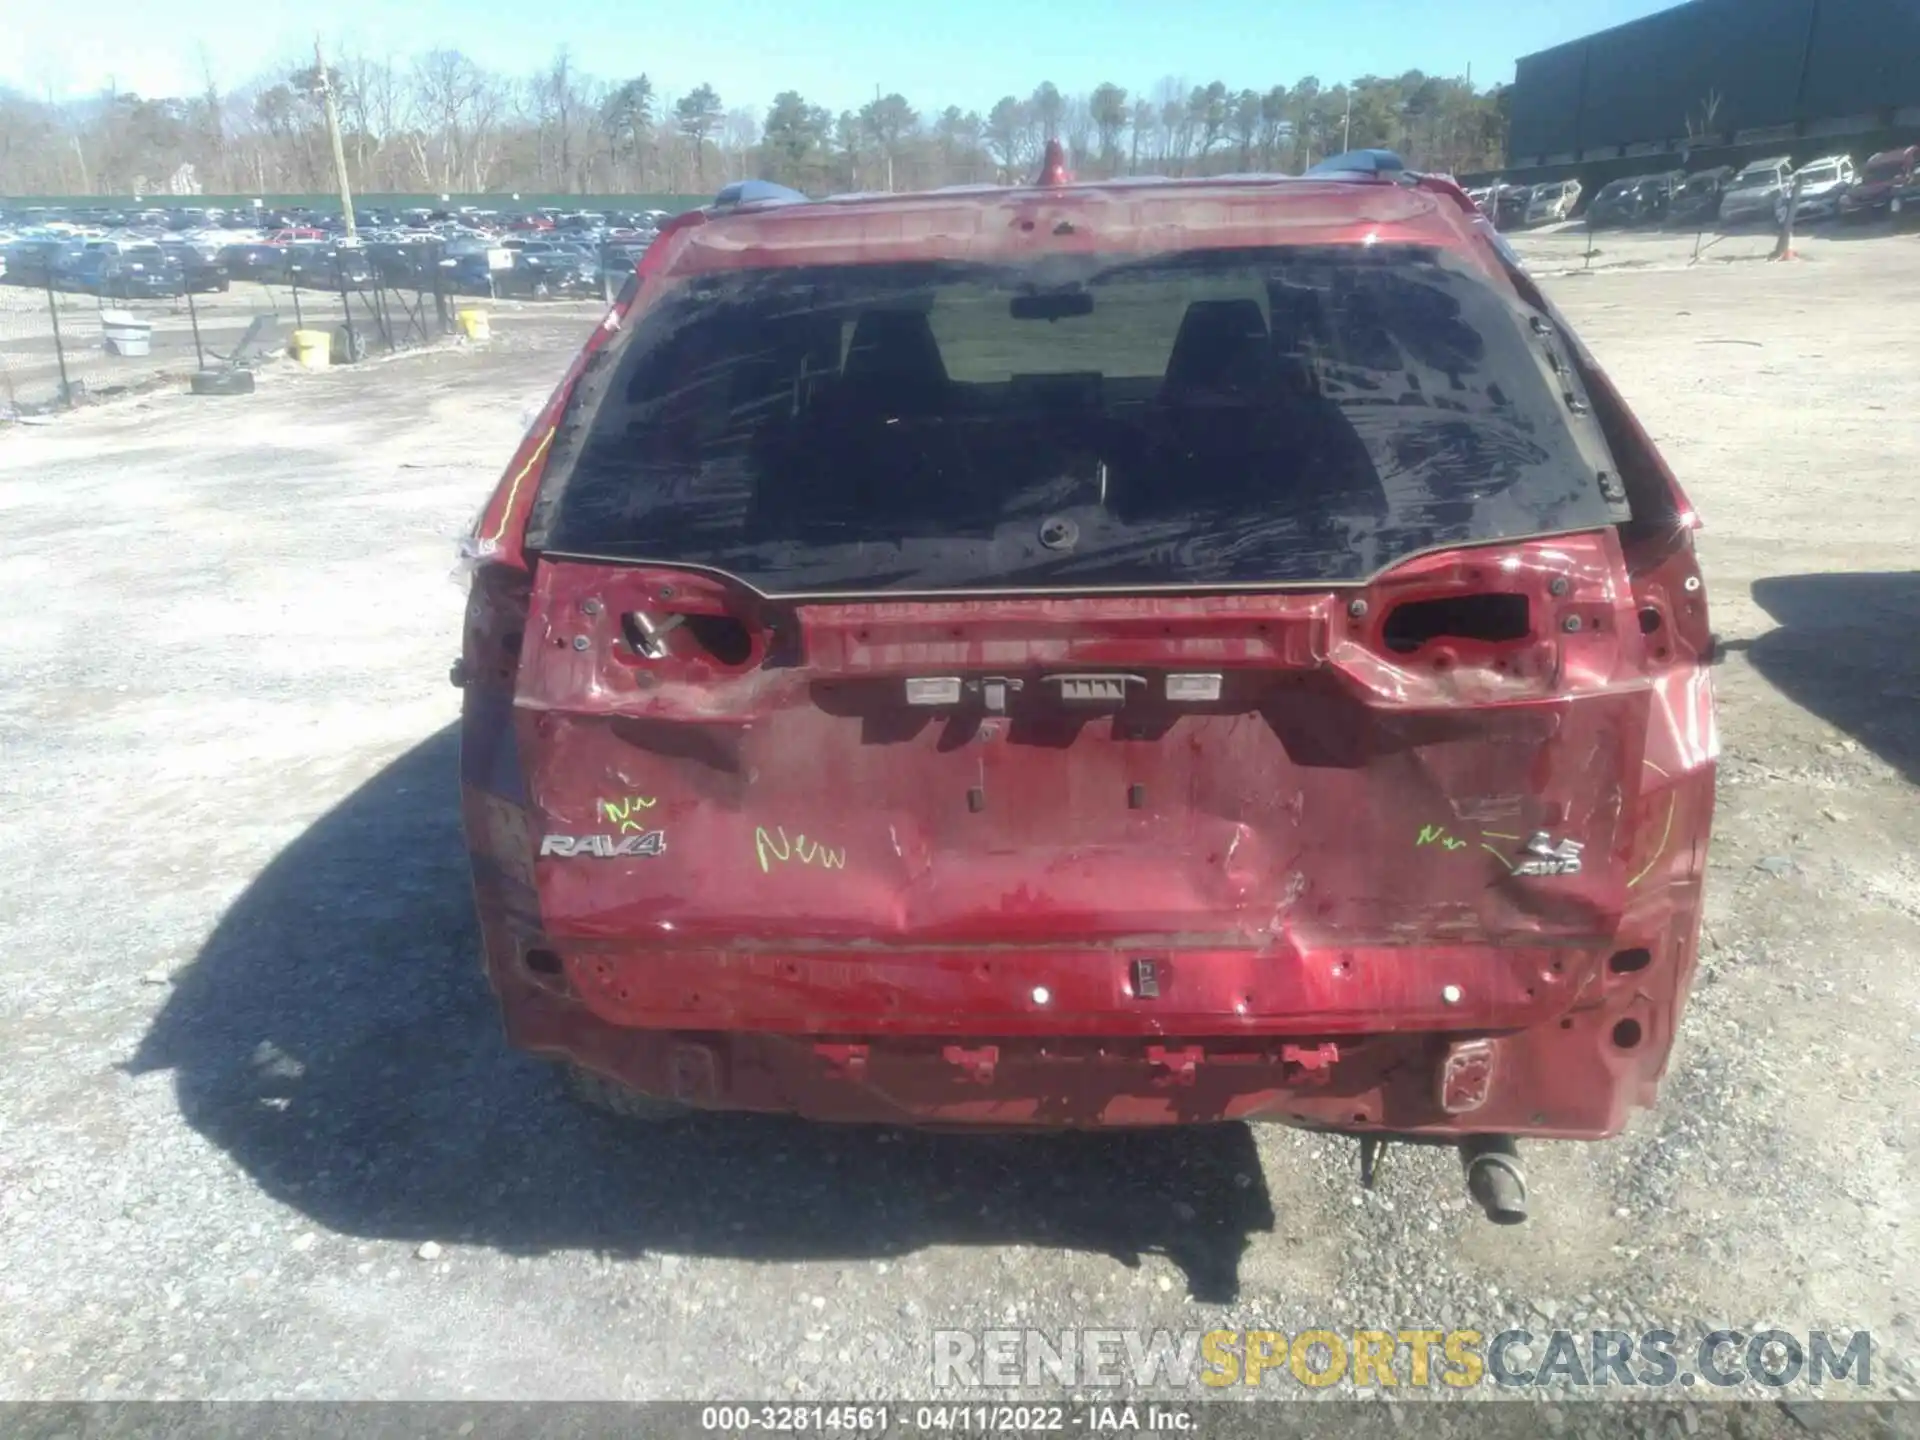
(336, 1037)
(1844, 652)
(1880, 227)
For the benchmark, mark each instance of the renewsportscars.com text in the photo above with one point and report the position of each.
(1412, 1358)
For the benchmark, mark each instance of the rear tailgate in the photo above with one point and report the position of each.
(1277, 636)
(1248, 771)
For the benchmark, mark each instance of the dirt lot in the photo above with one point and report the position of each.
(261, 1137)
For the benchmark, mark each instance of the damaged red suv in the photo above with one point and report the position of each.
(1094, 655)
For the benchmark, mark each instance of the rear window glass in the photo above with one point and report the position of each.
(1292, 416)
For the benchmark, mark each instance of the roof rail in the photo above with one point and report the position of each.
(1383, 163)
(755, 192)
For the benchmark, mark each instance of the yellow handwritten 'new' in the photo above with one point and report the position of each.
(767, 848)
(622, 813)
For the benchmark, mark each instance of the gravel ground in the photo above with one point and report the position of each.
(260, 1137)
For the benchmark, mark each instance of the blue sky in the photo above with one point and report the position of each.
(965, 52)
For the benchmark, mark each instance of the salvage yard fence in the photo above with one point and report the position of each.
(61, 346)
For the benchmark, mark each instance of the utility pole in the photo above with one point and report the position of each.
(1346, 126)
(333, 135)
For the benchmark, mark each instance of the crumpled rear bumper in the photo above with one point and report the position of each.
(1555, 1044)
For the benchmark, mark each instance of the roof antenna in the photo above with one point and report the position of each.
(1053, 168)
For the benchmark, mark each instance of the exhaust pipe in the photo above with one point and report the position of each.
(1494, 1177)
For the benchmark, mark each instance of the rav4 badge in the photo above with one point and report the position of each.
(604, 847)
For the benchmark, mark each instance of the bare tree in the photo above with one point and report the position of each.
(1243, 124)
(1077, 129)
(626, 119)
(698, 114)
(558, 103)
(491, 96)
(1049, 108)
(849, 142)
(739, 133)
(888, 121)
(1207, 115)
(1008, 135)
(1173, 124)
(448, 85)
(213, 122)
(1703, 128)
(1107, 107)
(441, 123)
(1274, 125)
(959, 135)
(1142, 122)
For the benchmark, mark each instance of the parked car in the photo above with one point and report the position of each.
(1617, 203)
(201, 269)
(1510, 206)
(534, 271)
(126, 273)
(1756, 192)
(35, 261)
(309, 265)
(328, 267)
(1653, 196)
(408, 265)
(467, 273)
(461, 246)
(1552, 202)
(619, 259)
(1881, 178)
(261, 262)
(1823, 185)
(838, 634)
(1697, 201)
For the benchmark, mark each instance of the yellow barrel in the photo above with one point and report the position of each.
(473, 324)
(312, 349)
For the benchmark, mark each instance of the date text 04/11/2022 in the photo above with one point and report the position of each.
(878, 1420)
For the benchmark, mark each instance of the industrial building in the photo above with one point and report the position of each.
(1715, 82)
